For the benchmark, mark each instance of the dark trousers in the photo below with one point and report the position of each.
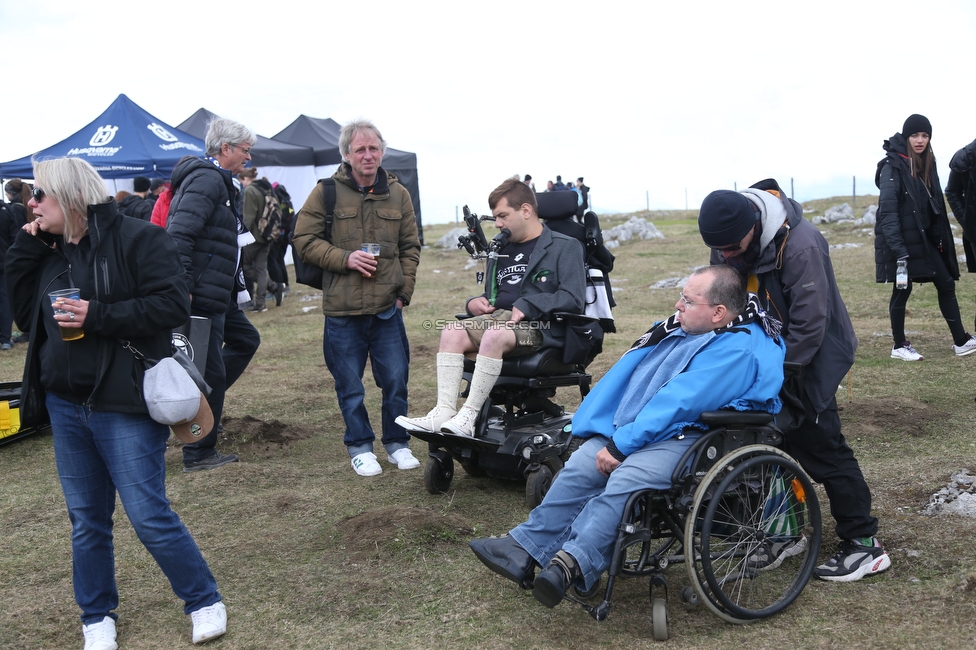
(277, 270)
(6, 316)
(233, 342)
(820, 448)
(948, 305)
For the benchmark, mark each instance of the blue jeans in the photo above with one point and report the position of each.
(233, 342)
(97, 455)
(346, 342)
(583, 507)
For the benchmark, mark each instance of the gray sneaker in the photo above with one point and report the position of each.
(210, 462)
(853, 561)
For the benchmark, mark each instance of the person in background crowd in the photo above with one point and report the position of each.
(18, 195)
(105, 443)
(277, 270)
(960, 192)
(209, 234)
(912, 227)
(137, 204)
(528, 181)
(364, 304)
(161, 207)
(254, 256)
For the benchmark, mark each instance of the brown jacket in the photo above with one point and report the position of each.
(384, 216)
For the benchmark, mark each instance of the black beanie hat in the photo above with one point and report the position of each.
(916, 124)
(140, 184)
(725, 218)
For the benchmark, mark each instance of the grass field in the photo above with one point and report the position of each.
(309, 555)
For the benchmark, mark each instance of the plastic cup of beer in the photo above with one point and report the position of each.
(57, 299)
(372, 249)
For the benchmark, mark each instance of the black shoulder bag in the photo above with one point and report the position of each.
(310, 274)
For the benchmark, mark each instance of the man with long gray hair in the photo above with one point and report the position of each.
(209, 231)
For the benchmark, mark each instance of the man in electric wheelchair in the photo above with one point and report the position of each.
(538, 273)
(718, 351)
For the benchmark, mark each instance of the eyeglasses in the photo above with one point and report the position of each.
(729, 248)
(246, 150)
(692, 303)
(38, 194)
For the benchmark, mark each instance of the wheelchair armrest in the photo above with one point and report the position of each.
(560, 316)
(464, 316)
(720, 418)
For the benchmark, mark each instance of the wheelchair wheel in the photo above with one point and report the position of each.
(537, 483)
(659, 619)
(756, 529)
(438, 474)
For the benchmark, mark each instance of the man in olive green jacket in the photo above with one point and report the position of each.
(363, 295)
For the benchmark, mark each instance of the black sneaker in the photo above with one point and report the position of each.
(210, 462)
(854, 561)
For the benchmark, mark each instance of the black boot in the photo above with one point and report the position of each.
(506, 557)
(552, 583)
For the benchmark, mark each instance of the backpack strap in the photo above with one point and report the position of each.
(328, 186)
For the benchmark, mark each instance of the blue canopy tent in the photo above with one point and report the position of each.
(123, 142)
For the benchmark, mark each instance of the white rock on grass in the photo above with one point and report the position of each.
(634, 228)
(957, 498)
(450, 240)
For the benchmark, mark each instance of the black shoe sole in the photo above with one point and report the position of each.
(549, 587)
(520, 575)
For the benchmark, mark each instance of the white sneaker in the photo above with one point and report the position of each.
(209, 622)
(403, 459)
(463, 423)
(365, 464)
(908, 353)
(429, 423)
(101, 635)
(966, 348)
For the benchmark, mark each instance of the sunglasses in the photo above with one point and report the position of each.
(38, 194)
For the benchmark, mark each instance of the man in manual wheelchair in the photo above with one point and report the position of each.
(537, 273)
(718, 351)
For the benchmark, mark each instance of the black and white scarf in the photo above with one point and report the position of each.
(753, 313)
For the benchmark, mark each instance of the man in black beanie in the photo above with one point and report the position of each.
(136, 204)
(786, 262)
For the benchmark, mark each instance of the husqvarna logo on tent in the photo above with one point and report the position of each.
(161, 133)
(103, 135)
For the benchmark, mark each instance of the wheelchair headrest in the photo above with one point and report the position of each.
(556, 205)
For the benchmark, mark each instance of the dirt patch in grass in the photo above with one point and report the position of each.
(890, 416)
(251, 435)
(401, 527)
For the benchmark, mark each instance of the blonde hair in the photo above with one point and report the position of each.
(74, 183)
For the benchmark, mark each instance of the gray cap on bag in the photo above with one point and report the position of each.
(171, 396)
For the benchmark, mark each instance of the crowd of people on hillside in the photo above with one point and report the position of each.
(209, 243)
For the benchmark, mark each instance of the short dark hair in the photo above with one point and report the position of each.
(515, 192)
(728, 288)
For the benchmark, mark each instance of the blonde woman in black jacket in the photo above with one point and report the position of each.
(912, 227)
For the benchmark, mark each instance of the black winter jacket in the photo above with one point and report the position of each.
(909, 223)
(137, 294)
(203, 221)
(797, 286)
(961, 194)
(137, 207)
(12, 218)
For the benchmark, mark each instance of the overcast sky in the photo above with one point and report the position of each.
(652, 102)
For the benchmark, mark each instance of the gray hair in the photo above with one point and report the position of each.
(349, 132)
(74, 183)
(221, 131)
(728, 288)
